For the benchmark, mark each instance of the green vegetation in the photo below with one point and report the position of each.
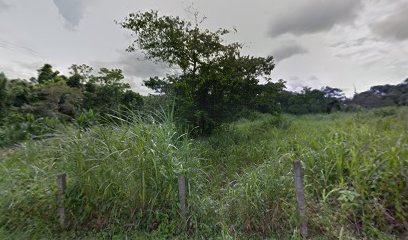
(32, 109)
(214, 81)
(224, 131)
(383, 96)
(309, 100)
(121, 174)
(122, 178)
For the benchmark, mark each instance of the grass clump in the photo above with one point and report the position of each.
(355, 175)
(119, 175)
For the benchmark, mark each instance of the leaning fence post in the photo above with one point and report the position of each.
(182, 196)
(61, 184)
(300, 197)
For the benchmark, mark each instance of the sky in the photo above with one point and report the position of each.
(348, 44)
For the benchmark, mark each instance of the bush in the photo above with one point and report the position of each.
(20, 127)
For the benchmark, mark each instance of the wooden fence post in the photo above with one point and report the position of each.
(182, 197)
(61, 184)
(300, 197)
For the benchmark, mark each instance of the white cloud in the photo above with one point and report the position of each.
(295, 83)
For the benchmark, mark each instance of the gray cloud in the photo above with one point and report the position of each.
(288, 51)
(71, 11)
(135, 64)
(136, 69)
(394, 26)
(352, 43)
(316, 16)
(4, 5)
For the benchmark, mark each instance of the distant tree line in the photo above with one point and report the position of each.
(327, 99)
(33, 107)
(382, 96)
(309, 101)
(36, 106)
(54, 95)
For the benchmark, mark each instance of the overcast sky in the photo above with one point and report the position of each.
(340, 43)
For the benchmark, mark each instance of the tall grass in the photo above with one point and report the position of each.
(355, 175)
(123, 176)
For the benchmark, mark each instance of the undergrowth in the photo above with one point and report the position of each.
(122, 179)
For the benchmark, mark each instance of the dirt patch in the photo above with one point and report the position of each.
(6, 151)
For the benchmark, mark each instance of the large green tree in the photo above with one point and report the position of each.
(215, 80)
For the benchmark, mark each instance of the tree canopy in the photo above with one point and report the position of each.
(214, 82)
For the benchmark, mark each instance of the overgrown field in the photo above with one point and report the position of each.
(122, 179)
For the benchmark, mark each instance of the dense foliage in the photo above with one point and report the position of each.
(383, 95)
(328, 100)
(33, 108)
(309, 100)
